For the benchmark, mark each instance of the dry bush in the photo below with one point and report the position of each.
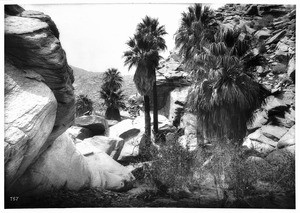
(235, 172)
(171, 166)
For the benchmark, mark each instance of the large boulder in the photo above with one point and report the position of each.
(96, 124)
(102, 161)
(61, 165)
(30, 111)
(124, 129)
(109, 145)
(132, 131)
(32, 44)
(80, 133)
(132, 147)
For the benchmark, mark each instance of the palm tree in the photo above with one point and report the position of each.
(225, 94)
(150, 30)
(112, 94)
(143, 78)
(143, 53)
(197, 28)
(84, 105)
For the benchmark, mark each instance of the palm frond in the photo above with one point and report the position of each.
(194, 31)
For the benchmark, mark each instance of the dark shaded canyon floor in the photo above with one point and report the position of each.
(201, 198)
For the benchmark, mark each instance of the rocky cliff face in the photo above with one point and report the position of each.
(39, 108)
(32, 44)
(39, 97)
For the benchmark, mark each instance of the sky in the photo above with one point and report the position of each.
(94, 35)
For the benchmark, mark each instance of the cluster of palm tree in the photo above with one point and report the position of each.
(112, 94)
(84, 105)
(225, 93)
(143, 53)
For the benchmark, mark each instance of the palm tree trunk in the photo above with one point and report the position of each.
(147, 120)
(155, 110)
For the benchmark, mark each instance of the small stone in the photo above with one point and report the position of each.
(288, 139)
(260, 69)
(276, 37)
(273, 132)
(263, 34)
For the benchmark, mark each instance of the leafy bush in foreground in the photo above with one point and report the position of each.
(171, 166)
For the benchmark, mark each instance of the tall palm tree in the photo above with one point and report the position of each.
(225, 94)
(150, 30)
(143, 53)
(145, 60)
(112, 94)
(197, 27)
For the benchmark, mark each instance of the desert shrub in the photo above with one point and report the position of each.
(84, 105)
(233, 171)
(171, 166)
(283, 172)
(214, 164)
